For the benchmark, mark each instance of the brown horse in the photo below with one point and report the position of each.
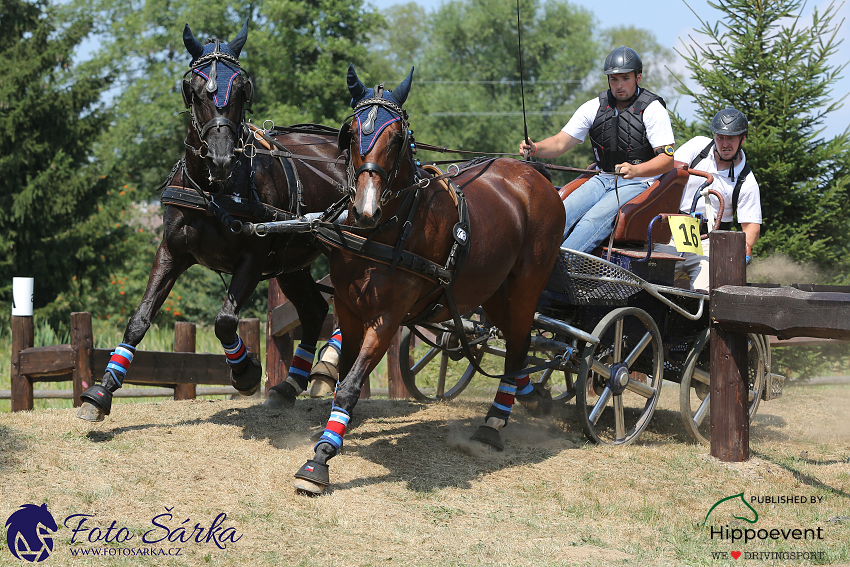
(230, 170)
(424, 255)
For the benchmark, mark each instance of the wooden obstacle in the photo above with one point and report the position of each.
(737, 309)
(181, 371)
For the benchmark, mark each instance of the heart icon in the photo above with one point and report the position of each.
(736, 554)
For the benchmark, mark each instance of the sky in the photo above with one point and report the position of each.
(674, 23)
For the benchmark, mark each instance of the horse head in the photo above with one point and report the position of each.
(378, 139)
(217, 93)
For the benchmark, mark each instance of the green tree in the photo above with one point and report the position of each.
(60, 220)
(297, 53)
(467, 91)
(772, 63)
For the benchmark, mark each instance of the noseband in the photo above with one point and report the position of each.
(370, 166)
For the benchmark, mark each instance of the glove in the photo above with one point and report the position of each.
(749, 258)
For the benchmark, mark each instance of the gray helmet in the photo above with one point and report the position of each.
(729, 122)
(623, 60)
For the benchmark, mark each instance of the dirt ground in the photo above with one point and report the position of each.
(409, 488)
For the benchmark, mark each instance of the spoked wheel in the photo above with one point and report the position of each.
(619, 379)
(694, 397)
(432, 374)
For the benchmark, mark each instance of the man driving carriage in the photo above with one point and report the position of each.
(631, 134)
(722, 156)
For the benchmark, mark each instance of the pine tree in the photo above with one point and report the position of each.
(770, 62)
(57, 220)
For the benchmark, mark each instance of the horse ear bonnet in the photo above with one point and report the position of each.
(373, 119)
(219, 73)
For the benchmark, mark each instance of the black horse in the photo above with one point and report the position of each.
(232, 169)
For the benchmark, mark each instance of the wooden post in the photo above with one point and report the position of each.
(185, 335)
(730, 426)
(395, 385)
(249, 330)
(279, 350)
(23, 335)
(82, 341)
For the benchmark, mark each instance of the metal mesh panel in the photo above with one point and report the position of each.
(588, 280)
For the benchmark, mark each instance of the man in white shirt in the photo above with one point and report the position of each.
(724, 158)
(631, 135)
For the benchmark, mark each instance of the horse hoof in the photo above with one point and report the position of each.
(280, 396)
(248, 382)
(537, 402)
(322, 386)
(91, 412)
(312, 478)
(303, 486)
(490, 436)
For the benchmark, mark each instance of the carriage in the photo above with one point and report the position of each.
(614, 325)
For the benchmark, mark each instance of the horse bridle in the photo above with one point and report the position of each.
(202, 130)
(370, 166)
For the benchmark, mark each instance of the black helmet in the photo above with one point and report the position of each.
(623, 60)
(729, 122)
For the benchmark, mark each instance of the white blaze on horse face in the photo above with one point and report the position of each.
(368, 199)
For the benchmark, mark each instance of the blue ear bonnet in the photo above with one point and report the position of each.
(225, 74)
(373, 119)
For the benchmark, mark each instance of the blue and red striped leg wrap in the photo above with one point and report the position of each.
(299, 370)
(524, 386)
(336, 340)
(335, 429)
(502, 404)
(235, 353)
(119, 363)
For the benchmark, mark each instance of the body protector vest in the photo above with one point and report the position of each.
(621, 137)
(736, 192)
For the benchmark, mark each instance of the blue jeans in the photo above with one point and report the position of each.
(592, 208)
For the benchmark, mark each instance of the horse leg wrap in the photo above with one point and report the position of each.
(245, 372)
(116, 368)
(525, 393)
(335, 429)
(299, 370)
(534, 397)
(237, 355)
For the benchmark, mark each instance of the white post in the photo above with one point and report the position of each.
(22, 297)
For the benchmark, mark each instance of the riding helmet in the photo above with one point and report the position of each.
(729, 122)
(623, 60)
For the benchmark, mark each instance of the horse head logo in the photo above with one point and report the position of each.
(28, 532)
(733, 499)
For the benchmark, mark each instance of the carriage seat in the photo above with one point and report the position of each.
(663, 196)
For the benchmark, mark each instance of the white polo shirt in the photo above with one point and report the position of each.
(659, 131)
(749, 200)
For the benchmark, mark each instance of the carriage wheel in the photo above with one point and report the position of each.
(694, 398)
(619, 379)
(432, 375)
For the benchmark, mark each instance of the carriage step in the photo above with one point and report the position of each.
(773, 386)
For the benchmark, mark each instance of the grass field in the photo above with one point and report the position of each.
(410, 489)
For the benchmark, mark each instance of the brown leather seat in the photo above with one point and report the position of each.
(663, 196)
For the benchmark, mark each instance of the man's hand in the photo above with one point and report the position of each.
(527, 149)
(629, 170)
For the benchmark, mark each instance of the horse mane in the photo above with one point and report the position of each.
(541, 167)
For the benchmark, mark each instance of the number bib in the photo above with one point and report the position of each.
(686, 234)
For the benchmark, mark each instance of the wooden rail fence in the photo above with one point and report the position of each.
(179, 372)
